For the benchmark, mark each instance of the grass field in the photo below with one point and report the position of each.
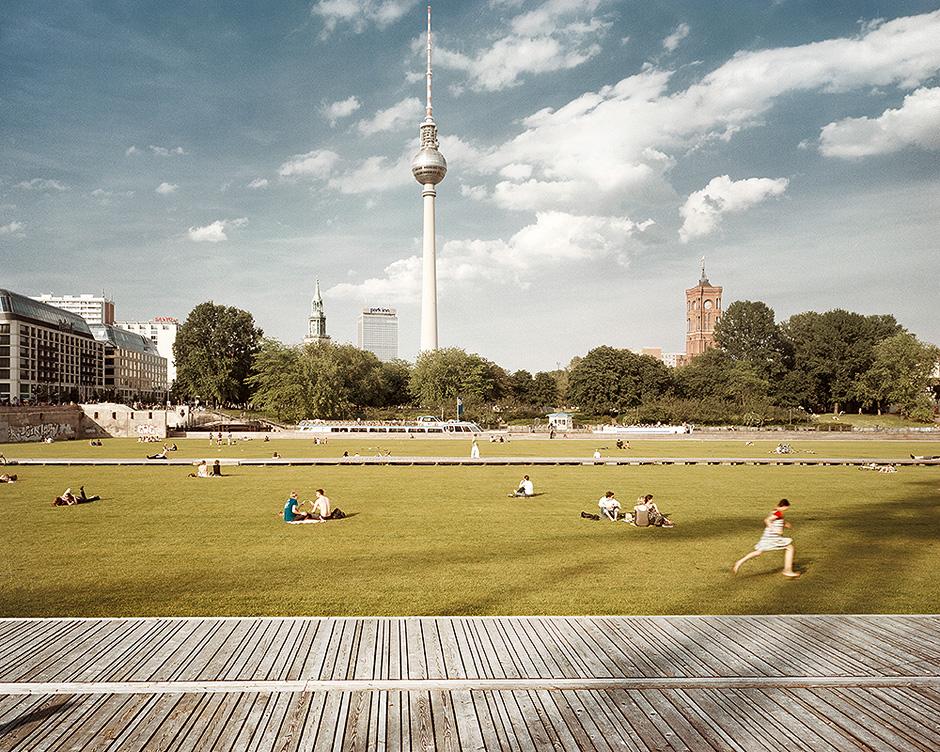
(370, 446)
(447, 540)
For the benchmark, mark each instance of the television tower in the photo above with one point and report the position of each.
(429, 168)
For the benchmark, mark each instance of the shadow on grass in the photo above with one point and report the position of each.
(882, 536)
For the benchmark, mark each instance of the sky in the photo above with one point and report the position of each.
(176, 152)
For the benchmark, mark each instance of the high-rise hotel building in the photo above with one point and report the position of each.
(95, 309)
(377, 332)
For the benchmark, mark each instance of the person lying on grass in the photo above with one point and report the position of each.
(773, 540)
(68, 499)
(525, 489)
(609, 506)
(7, 478)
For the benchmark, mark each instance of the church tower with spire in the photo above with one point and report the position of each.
(702, 312)
(316, 324)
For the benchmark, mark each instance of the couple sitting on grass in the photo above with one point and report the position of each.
(319, 512)
(645, 513)
(4, 478)
(203, 470)
(69, 499)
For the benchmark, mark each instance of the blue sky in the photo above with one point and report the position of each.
(177, 152)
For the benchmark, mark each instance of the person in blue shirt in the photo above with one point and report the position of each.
(291, 511)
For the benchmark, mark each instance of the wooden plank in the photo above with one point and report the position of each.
(422, 724)
(469, 733)
(356, 735)
(445, 722)
(823, 706)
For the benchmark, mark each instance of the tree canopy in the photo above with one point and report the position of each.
(609, 381)
(214, 350)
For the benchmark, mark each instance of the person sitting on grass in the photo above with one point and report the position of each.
(216, 469)
(609, 506)
(655, 517)
(68, 499)
(275, 456)
(292, 511)
(202, 470)
(525, 488)
(773, 540)
(925, 457)
(7, 478)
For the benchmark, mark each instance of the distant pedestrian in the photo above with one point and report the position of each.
(474, 450)
(773, 540)
(597, 454)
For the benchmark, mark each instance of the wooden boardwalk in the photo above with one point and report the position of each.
(773, 460)
(472, 683)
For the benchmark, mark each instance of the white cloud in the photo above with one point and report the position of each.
(915, 123)
(341, 109)
(406, 112)
(215, 232)
(375, 174)
(12, 228)
(671, 42)
(258, 183)
(557, 35)
(104, 196)
(318, 163)
(703, 210)
(360, 14)
(556, 238)
(605, 148)
(42, 184)
(165, 189)
(165, 151)
(131, 151)
(515, 171)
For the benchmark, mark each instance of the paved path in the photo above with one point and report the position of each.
(472, 683)
(774, 460)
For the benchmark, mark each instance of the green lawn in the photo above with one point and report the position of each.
(446, 540)
(370, 446)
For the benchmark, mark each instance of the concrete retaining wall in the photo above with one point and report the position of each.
(23, 424)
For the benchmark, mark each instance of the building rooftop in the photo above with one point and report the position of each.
(42, 313)
(123, 339)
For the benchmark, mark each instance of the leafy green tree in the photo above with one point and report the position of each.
(214, 350)
(831, 350)
(520, 385)
(283, 387)
(544, 390)
(609, 381)
(393, 383)
(900, 375)
(439, 377)
(749, 334)
(715, 375)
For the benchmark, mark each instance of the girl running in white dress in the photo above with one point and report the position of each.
(773, 540)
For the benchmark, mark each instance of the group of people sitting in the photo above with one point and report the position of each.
(205, 470)
(68, 499)
(319, 509)
(645, 513)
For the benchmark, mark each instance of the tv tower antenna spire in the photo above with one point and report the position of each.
(429, 168)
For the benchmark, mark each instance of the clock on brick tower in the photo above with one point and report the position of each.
(702, 311)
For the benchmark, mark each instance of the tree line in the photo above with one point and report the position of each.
(761, 371)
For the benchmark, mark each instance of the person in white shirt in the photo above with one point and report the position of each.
(474, 450)
(597, 454)
(609, 506)
(526, 488)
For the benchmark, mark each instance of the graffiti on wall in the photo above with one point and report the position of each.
(41, 432)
